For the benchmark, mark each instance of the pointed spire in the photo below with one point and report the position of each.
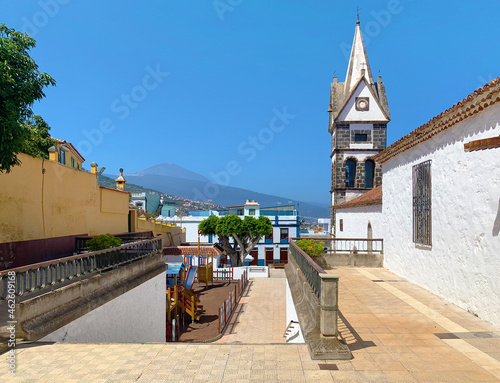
(358, 63)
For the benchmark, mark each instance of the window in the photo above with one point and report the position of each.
(350, 173)
(422, 224)
(369, 173)
(341, 224)
(239, 212)
(78, 166)
(63, 157)
(269, 238)
(251, 212)
(360, 137)
(284, 235)
(72, 162)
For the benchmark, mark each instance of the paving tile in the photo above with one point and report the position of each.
(390, 328)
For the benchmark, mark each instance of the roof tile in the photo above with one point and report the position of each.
(373, 197)
(482, 98)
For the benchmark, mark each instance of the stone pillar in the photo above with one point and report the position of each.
(329, 304)
(93, 168)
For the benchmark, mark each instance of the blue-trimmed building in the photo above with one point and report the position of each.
(271, 249)
(286, 225)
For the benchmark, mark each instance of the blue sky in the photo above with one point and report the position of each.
(200, 83)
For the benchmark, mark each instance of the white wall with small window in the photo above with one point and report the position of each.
(354, 222)
(441, 215)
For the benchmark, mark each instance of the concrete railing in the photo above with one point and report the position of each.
(354, 245)
(309, 268)
(45, 276)
(324, 285)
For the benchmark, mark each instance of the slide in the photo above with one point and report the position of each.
(190, 277)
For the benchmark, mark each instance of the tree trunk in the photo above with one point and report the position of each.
(230, 250)
(246, 245)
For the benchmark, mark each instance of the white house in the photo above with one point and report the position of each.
(360, 217)
(271, 249)
(441, 204)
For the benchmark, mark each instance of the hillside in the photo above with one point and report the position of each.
(197, 191)
(183, 205)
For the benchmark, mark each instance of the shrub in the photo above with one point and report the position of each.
(104, 241)
(311, 247)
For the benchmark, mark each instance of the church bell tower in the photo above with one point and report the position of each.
(359, 114)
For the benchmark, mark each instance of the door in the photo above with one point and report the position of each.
(255, 254)
(269, 255)
(284, 255)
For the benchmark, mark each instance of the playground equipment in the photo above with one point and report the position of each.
(182, 302)
(205, 265)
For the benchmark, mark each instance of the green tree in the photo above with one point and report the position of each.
(39, 140)
(21, 84)
(311, 247)
(104, 241)
(244, 233)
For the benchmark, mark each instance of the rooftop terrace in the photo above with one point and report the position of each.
(397, 332)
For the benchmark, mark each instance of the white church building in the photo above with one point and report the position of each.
(441, 204)
(438, 209)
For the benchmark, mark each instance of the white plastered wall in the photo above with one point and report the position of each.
(355, 221)
(374, 113)
(464, 262)
(139, 315)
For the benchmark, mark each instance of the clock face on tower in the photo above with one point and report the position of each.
(362, 103)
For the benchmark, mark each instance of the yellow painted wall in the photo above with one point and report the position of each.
(44, 199)
(68, 156)
(177, 235)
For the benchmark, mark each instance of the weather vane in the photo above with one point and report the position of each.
(357, 12)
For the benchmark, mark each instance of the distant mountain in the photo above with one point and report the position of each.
(170, 169)
(206, 191)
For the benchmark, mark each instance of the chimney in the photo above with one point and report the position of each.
(120, 181)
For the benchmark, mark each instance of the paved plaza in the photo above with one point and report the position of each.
(397, 332)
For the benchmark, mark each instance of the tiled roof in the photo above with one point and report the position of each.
(482, 98)
(373, 197)
(487, 143)
(192, 250)
(70, 146)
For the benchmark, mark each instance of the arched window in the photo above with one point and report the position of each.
(369, 173)
(350, 173)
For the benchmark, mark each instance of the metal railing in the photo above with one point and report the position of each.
(81, 241)
(309, 268)
(273, 213)
(353, 245)
(230, 304)
(47, 275)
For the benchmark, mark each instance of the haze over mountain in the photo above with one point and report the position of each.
(171, 170)
(176, 180)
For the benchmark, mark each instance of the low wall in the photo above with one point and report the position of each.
(170, 234)
(136, 316)
(45, 314)
(308, 309)
(327, 261)
(17, 254)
